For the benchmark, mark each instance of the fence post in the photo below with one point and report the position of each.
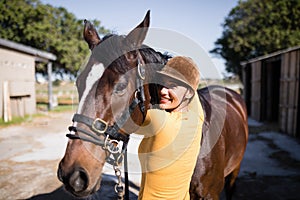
(6, 103)
(50, 94)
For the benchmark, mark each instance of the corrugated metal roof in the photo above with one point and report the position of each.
(270, 55)
(27, 49)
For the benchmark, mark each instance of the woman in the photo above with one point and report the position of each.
(171, 143)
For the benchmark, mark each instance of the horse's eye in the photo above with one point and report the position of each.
(120, 87)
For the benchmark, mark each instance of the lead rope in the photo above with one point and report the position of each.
(119, 188)
(126, 176)
(119, 155)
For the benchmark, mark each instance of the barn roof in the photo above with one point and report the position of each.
(40, 55)
(270, 55)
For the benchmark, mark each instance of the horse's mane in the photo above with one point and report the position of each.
(155, 61)
(112, 50)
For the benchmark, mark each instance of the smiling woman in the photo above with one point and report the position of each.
(172, 96)
(180, 79)
(172, 138)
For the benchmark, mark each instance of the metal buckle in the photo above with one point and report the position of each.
(101, 121)
(115, 149)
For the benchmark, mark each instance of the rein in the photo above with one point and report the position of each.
(113, 142)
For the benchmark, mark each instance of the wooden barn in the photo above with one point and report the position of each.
(271, 89)
(17, 78)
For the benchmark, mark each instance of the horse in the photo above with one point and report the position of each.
(224, 140)
(115, 90)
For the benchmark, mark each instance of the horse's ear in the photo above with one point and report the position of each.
(138, 35)
(90, 35)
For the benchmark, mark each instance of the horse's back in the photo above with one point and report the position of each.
(224, 139)
(225, 115)
(214, 96)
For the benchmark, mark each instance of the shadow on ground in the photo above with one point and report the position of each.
(106, 192)
(268, 187)
(247, 188)
(270, 167)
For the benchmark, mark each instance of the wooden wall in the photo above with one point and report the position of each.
(261, 94)
(289, 92)
(17, 71)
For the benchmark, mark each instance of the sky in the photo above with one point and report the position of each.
(194, 21)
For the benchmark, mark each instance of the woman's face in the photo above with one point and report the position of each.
(172, 94)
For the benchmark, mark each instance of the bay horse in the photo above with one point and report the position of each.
(116, 89)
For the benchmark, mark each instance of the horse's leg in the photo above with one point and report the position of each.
(230, 182)
(206, 186)
(208, 179)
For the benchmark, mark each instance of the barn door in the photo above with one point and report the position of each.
(270, 89)
(289, 92)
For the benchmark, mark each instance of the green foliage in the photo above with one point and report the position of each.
(258, 27)
(17, 120)
(46, 28)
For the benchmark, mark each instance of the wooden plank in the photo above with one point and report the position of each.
(297, 73)
(293, 98)
(290, 121)
(6, 103)
(284, 92)
(292, 94)
(21, 88)
(256, 90)
(18, 106)
(289, 93)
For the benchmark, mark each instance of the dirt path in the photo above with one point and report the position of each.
(29, 155)
(270, 168)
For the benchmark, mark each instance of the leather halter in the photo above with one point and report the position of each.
(111, 135)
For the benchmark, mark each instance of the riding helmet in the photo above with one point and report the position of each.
(182, 69)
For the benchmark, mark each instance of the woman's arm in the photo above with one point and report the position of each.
(154, 121)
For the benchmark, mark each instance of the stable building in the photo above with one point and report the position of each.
(17, 78)
(271, 89)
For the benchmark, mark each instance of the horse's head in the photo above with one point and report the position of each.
(114, 98)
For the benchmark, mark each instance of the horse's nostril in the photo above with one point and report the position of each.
(78, 180)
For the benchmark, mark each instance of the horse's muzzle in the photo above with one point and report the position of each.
(75, 182)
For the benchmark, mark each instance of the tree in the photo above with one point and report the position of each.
(46, 28)
(258, 27)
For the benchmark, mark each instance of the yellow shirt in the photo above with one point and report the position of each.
(168, 152)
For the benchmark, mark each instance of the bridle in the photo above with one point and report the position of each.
(113, 142)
